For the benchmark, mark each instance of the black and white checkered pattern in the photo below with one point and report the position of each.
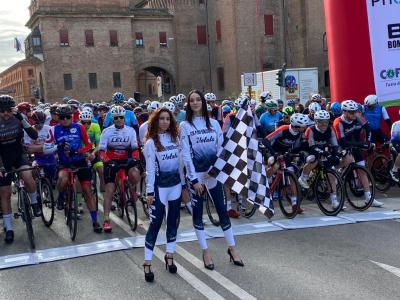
(239, 165)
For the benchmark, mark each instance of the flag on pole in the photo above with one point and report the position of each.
(17, 45)
(240, 165)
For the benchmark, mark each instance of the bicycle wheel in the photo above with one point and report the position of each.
(328, 182)
(210, 208)
(130, 207)
(354, 190)
(142, 197)
(94, 189)
(27, 216)
(246, 208)
(72, 216)
(119, 200)
(46, 198)
(289, 189)
(380, 168)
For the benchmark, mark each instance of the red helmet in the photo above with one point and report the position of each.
(24, 106)
(38, 116)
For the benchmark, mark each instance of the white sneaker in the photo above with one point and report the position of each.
(394, 176)
(335, 204)
(303, 183)
(376, 203)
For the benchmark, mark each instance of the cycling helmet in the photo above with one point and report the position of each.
(226, 102)
(266, 95)
(169, 105)
(53, 109)
(87, 105)
(24, 106)
(118, 97)
(226, 108)
(132, 101)
(291, 102)
(66, 99)
(371, 100)
(138, 110)
(6, 101)
(349, 105)
(360, 108)
(253, 103)
(172, 99)
(117, 111)
(38, 116)
(240, 101)
(322, 115)
(336, 109)
(64, 109)
(180, 98)
(209, 108)
(103, 106)
(86, 115)
(210, 97)
(316, 97)
(271, 104)
(74, 103)
(314, 107)
(147, 102)
(153, 106)
(288, 111)
(279, 101)
(298, 119)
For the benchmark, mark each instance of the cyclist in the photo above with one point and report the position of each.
(312, 109)
(25, 109)
(116, 144)
(200, 138)
(12, 155)
(287, 112)
(315, 98)
(165, 181)
(262, 107)
(270, 117)
(72, 144)
(284, 139)
(179, 113)
(75, 109)
(395, 139)
(349, 129)
(143, 128)
(335, 111)
(36, 146)
(374, 113)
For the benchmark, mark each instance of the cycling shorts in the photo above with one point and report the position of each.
(111, 172)
(96, 162)
(13, 162)
(84, 174)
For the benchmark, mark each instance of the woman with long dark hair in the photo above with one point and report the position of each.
(164, 184)
(200, 139)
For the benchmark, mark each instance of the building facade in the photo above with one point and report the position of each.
(90, 49)
(19, 81)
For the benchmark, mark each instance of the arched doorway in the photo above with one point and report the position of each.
(148, 86)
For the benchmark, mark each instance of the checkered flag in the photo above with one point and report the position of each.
(239, 164)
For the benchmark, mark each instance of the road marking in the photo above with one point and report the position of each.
(391, 269)
(199, 285)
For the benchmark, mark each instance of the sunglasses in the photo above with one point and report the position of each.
(119, 118)
(86, 122)
(296, 127)
(351, 112)
(322, 122)
(3, 110)
(63, 117)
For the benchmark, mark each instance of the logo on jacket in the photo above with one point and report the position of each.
(73, 130)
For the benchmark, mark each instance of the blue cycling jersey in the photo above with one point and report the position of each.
(130, 119)
(71, 135)
(374, 116)
(268, 121)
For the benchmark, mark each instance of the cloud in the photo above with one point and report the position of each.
(13, 16)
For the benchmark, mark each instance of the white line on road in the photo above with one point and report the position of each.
(391, 269)
(199, 285)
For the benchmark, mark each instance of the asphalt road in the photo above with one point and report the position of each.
(335, 262)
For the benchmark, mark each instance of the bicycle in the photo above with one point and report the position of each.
(353, 188)
(24, 204)
(210, 206)
(124, 198)
(95, 193)
(380, 168)
(45, 195)
(142, 196)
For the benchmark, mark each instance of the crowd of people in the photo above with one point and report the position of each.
(179, 140)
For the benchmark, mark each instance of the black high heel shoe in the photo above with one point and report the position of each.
(235, 262)
(148, 276)
(209, 266)
(170, 267)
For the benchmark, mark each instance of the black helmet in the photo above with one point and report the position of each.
(53, 109)
(64, 109)
(39, 116)
(6, 101)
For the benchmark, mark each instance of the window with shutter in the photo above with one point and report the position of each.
(117, 79)
(163, 39)
(139, 39)
(113, 38)
(93, 80)
(64, 41)
(269, 25)
(67, 82)
(218, 30)
(220, 78)
(89, 40)
(201, 34)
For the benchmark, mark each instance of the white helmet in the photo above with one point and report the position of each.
(298, 119)
(266, 95)
(169, 105)
(179, 99)
(316, 97)
(371, 100)
(240, 101)
(132, 101)
(86, 115)
(314, 107)
(172, 99)
(153, 106)
(210, 97)
(253, 103)
(117, 111)
(209, 108)
(147, 102)
(87, 108)
(349, 105)
(322, 115)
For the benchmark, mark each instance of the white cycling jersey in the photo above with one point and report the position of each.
(142, 131)
(118, 142)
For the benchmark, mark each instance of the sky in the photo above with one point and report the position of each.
(13, 16)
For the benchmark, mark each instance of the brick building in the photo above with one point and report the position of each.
(90, 49)
(19, 81)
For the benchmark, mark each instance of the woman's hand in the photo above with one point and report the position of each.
(199, 188)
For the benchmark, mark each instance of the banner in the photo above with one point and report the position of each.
(384, 31)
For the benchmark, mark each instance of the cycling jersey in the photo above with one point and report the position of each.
(45, 135)
(142, 131)
(94, 133)
(180, 116)
(283, 139)
(130, 119)
(77, 139)
(348, 133)
(75, 116)
(375, 115)
(268, 121)
(164, 168)
(199, 145)
(117, 143)
(395, 132)
(320, 140)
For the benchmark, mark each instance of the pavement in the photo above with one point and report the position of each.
(358, 260)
